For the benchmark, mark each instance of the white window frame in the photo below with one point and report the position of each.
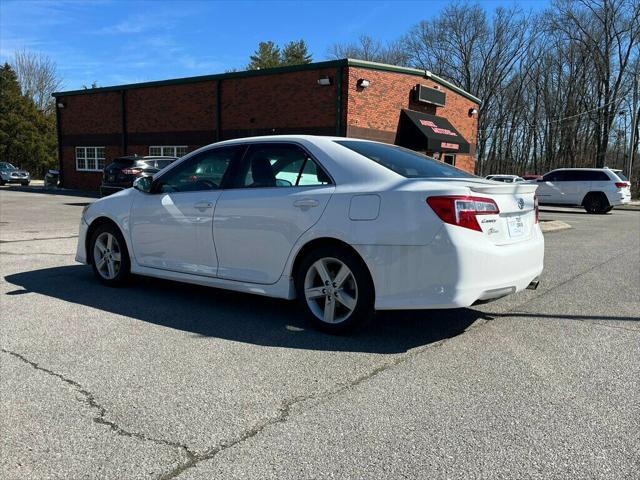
(455, 157)
(168, 150)
(95, 160)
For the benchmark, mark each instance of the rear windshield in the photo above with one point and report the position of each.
(404, 162)
(621, 175)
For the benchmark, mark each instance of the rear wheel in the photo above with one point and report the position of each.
(109, 256)
(335, 288)
(596, 202)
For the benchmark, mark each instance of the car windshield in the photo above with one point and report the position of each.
(7, 166)
(404, 162)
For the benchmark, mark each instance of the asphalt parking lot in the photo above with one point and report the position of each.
(162, 380)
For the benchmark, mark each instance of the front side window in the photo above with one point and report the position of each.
(204, 171)
(168, 150)
(280, 165)
(404, 162)
(90, 159)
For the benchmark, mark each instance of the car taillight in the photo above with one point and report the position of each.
(622, 184)
(131, 171)
(462, 210)
(536, 209)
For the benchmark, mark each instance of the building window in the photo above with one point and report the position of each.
(449, 158)
(90, 159)
(168, 150)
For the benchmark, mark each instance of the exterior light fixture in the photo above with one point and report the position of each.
(473, 111)
(60, 105)
(363, 83)
(324, 80)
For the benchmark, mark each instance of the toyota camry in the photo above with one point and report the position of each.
(344, 226)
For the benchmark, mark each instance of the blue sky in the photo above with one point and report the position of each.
(119, 41)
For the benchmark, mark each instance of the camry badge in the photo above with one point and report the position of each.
(520, 203)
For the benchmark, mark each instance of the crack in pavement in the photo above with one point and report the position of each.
(37, 253)
(284, 411)
(37, 239)
(90, 400)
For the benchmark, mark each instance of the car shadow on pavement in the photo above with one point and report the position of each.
(209, 312)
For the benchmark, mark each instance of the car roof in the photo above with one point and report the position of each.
(583, 169)
(357, 169)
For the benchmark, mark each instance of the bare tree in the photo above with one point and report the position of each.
(366, 48)
(38, 77)
(609, 30)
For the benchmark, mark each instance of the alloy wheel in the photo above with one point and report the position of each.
(330, 290)
(107, 255)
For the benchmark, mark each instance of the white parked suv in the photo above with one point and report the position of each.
(598, 190)
(505, 178)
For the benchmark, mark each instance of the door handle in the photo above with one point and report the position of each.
(203, 205)
(305, 203)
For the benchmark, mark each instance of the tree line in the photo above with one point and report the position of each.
(556, 86)
(27, 114)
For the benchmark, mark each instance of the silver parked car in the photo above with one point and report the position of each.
(11, 174)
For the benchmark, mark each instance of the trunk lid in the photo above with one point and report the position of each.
(515, 221)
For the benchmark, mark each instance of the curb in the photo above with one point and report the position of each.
(553, 226)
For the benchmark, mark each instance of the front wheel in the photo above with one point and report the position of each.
(109, 256)
(335, 288)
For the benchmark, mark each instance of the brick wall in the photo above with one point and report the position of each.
(89, 120)
(374, 112)
(278, 104)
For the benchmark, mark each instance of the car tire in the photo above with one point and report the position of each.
(2, 183)
(596, 202)
(109, 256)
(334, 287)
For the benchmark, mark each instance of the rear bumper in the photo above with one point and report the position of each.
(618, 198)
(458, 269)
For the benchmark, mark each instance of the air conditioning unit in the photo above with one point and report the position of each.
(424, 94)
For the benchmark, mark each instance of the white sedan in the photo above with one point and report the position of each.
(345, 226)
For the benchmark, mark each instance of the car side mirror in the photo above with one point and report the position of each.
(143, 184)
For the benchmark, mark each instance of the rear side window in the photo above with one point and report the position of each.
(280, 165)
(404, 162)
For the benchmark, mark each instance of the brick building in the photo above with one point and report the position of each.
(352, 98)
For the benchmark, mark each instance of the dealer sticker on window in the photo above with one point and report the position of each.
(516, 226)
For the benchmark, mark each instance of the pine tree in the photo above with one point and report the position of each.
(296, 53)
(267, 56)
(27, 135)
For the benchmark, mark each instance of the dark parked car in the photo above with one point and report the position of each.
(121, 173)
